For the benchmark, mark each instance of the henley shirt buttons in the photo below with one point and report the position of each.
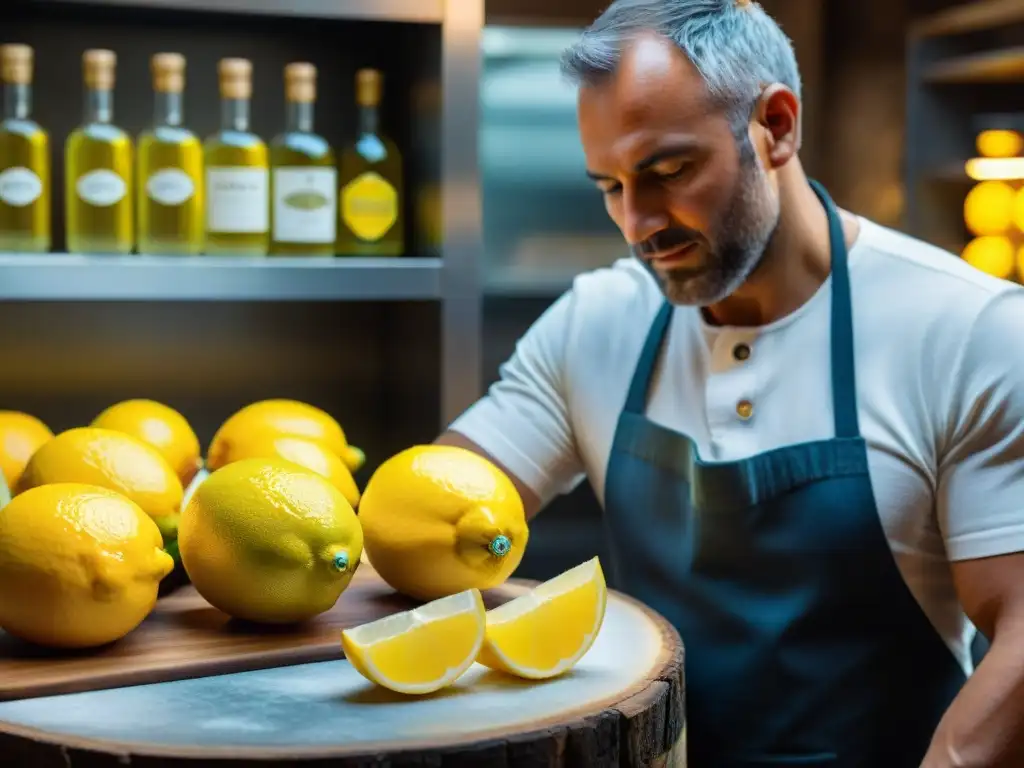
(744, 409)
(741, 352)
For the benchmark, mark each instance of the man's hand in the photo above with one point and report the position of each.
(531, 503)
(984, 726)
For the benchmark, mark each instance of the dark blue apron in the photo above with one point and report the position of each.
(804, 646)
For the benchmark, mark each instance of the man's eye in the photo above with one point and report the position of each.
(672, 171)
(610, 189)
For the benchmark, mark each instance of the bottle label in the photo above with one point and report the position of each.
(170, 186)
(305, 205)
(369, 206)
(19, 187)
(237, 200)
(102, 188)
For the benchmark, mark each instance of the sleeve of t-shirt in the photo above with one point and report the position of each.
(980, 500)
(523, 420)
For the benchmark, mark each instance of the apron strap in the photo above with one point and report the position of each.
(636, 400)
(844, 384)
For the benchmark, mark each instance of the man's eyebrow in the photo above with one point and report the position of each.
(665, 153)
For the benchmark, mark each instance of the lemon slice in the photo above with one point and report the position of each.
(422, 650)
(546, 631)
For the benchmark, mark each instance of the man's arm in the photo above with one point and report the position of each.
(980, 507)
(531, 501)
(984, 727)
(523, 424)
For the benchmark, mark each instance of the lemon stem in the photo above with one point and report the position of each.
(500, 546)
(341, 561)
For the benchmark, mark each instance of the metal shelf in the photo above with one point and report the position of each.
(63, 277)
(419, 11)
(1001, 66)
(975, 16)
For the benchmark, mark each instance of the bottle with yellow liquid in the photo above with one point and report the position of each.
(24, 160)
(303, 179)
(370, 205)
(169, 188)
(98, 173)
(237, 178)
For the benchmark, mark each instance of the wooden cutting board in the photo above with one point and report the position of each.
(185, 637)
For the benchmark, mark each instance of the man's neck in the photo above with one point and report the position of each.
(796, 262)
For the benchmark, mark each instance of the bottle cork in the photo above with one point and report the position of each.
(300, 82)
(168, 72)
(368, 87)
(235, 78)
(99, 66)
(16, 64)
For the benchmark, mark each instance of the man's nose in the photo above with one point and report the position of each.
(642, 216)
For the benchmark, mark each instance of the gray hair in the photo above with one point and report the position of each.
(736, 47)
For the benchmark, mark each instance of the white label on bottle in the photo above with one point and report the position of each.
(19, 187)
(170, 186)
(101, 187)
(237, 200)
(305, 205)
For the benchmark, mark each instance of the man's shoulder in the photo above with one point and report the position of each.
(907, 283)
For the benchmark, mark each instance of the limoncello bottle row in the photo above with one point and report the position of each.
(170, 193)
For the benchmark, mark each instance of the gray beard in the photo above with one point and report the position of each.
(742, 235)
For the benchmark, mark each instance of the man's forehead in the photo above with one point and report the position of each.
(653, 79)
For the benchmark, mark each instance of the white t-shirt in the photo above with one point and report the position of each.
(940, 378)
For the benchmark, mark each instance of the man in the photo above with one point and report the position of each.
(806, 430)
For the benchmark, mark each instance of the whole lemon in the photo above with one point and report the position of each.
(162, 427)
(286, 417)
(305, 452)
(268, 541)
(111, 460)
(440, 519)
(20, 437)
(79, 565)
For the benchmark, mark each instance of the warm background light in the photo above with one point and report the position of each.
(999, 143)
(993, 254)
(994, 208)
(989, 208)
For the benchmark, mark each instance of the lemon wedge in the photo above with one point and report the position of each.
(422, 650)
(546, 631)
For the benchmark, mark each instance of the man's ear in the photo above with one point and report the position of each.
(778, 115)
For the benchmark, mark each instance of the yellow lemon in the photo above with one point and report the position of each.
(422, 650)
(303, 451)
(549, 629)
(20, 437)
(268, 541)
(111, 460)
(439, 520)
(79, 565)
(287, 417)
(162, 427)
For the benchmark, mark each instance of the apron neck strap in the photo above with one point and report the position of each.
(844, 386)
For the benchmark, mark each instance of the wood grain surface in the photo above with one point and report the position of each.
(640, 725)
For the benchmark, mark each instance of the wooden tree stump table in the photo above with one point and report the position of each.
(621, 706)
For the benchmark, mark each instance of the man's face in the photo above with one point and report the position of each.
(697, 208)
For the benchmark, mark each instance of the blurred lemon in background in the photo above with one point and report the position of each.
(21, 435)
(160, 426)
(286, 417)
(113, 460)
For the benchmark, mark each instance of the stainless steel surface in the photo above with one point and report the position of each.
(461, 317)
(544, 221)
(430, 11)
(298, 709)
(56, 277)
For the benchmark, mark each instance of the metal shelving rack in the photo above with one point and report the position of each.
(964, 65)
(440, 37)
